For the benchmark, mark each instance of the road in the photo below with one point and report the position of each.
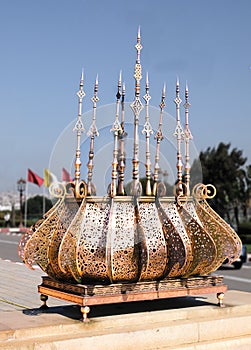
(9, 246)
(235, 279)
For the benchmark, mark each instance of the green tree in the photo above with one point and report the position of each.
(225, 169)
(35, 206)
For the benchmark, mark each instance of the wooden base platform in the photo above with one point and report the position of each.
(87, 295)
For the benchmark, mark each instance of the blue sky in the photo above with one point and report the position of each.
(45, 44)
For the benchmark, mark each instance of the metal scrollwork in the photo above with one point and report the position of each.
(201, 191)
(80, 190)
(57, 190)
(177, 190)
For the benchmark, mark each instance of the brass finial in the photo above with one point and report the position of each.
(159, 137)
(147, 130)
(187, 136)
(179, 135)
(116, 129)
(137, 107)
(79, 128)
(93, 131)
(122, 135)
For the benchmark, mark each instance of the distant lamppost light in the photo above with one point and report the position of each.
(21, 184)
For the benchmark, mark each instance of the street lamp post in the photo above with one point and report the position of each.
(21, 183)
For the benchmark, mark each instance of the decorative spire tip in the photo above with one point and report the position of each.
(139, 32)
(147, 79)
(164, 90)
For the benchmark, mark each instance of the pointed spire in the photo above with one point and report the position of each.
(159, 137)
(116, 129)
(164, 91)
(138, 47)
(136, 108)
(147, 81)
(147, 130)
(179, 134)
(79, 128)
(121, 154)
(187, 136)
(93, 131)
(123, 107)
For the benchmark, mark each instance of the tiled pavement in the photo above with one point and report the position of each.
(18, 287)
(173, 320)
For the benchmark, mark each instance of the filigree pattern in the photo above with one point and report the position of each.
(23, 241)
(92, 241)
(26, 237)
(178, 242)
(36, 249)
(137, 107)
(68, 246)
(137, 74)
(129, 239)
(155, 242)
(189, 206)
(122, 256)
(203, 247)
(227, 242)
(66, 219)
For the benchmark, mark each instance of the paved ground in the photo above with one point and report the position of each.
(23, 323)
(21, 319)
(18, 292)
(18, 287)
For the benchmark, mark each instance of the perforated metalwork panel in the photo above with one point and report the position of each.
(122, 252)
(125, 239)
(155, 242)
(203, 247)
(92, 242)
(178, 242)
(227, 242)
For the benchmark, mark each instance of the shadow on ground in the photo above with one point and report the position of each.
(73, 311)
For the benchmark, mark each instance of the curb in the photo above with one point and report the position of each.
(13, 230)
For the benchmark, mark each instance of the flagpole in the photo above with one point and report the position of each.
(25, 205)
(37, 180)
(43, 200)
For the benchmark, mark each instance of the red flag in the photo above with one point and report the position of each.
(66, 175)
(34, 178)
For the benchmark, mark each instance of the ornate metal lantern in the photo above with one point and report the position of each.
(130, 239)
